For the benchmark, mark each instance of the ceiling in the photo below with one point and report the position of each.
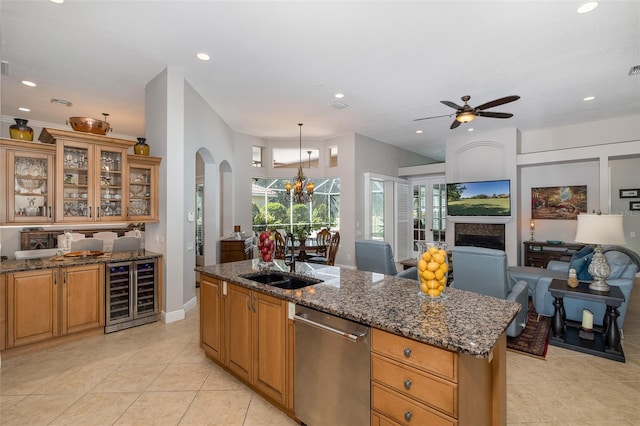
(276, 64)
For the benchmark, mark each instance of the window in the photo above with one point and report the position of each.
(271, 210)
(333, 156)
(429, 211)
(256, 156)
(290, 158)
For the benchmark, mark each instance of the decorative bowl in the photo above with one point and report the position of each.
(89, 125)
(30, 184)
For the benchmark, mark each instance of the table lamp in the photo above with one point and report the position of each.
(599, 229)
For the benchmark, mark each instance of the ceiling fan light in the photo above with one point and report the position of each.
(465, 117)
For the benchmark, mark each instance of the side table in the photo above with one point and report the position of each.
(605, 343)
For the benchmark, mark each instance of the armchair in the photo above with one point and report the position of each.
(485, 271)
(624, 266)
(375, 256)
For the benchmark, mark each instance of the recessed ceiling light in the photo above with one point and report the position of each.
(589, 98)
(203, 56)
(24, 109)
(587, 7)
(418, 131)
(339, 95)
(29, 83)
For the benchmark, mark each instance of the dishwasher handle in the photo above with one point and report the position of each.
(350, 336)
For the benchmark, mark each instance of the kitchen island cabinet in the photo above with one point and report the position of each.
(253, 333)
(457, 362)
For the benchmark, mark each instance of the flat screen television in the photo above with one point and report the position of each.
(486, 198)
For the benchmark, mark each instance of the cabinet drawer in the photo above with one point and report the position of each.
(405, 411)
(430, 390)
(440, 362)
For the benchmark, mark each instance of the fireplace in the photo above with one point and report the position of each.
(480, 235)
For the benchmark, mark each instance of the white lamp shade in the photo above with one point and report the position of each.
(600, 229)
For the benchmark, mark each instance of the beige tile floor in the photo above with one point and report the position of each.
(157, 374)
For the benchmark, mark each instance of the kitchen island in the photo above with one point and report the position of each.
(461, 339)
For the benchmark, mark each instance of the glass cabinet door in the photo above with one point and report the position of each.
(31, 199)
(143, 189)
(112, 194)
(76, 184)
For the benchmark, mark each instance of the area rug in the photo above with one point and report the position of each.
(534, 339)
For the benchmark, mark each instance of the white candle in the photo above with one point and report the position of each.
(587, 319)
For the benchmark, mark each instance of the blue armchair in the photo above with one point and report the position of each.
(485, 271)
(624, 266)
(375, 256)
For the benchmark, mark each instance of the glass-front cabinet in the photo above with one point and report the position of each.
(30, 190)
(143, 183)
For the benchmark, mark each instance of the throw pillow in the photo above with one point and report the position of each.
(580, 262)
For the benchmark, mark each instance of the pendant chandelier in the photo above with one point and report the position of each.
(300, 184)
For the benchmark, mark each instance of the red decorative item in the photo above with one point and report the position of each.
(266, 245)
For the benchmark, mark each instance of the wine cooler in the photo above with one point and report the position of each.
(131, 294)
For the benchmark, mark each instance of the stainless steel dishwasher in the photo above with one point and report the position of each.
(332, 370)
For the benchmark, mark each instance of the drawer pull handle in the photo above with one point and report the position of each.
(407, 384)
(407, 352)
(408, 415)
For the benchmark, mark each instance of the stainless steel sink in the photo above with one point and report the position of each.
(281, 280)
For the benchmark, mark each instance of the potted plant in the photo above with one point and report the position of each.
(301, 232)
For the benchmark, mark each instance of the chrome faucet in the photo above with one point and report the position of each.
(292, 259)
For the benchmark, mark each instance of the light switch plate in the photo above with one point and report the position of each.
(191, 216)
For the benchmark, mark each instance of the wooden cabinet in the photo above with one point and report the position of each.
(415, 383)
(232, 250)
(32, 307)
(82, 300)
(143, 174)
(249, 334)
(48, 303)
(539, 254)
(3, 312)
(211, 317)
(27, 182)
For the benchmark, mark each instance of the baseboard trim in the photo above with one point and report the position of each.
(190, 304)
(173, 316)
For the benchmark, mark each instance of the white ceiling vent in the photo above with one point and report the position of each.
(61, 102)
(338, 104)
(634, 70)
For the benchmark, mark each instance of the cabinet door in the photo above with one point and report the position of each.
(270, 346)
(211, 317)
(110, 191)
(143, 189)
(238, 331)
(82, 298)
(30, 189)
(75, 182)
(32, 307)
(3, 312)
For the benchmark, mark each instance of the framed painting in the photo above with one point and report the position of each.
(630, 193)
(634, 205)
(558, 202)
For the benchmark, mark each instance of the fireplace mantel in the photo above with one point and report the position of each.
(479, 219)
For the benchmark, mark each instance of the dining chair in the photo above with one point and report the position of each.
(87, 244)
(126, 244)
(62, 240)
(332, 249)
(322, 242)
(280, 249)
(107, 237)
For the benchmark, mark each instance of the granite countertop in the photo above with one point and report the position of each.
(8, 266)
(463, 322)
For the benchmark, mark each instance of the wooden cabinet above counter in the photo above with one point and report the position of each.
(77, 178)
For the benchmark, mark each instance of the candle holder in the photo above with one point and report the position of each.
(532, 228)
(586, 334)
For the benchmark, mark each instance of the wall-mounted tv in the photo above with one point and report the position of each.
(486, 198)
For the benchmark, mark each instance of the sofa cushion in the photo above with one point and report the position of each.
(580, 262)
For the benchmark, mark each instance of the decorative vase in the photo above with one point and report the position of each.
(141, 148)
(433, 269)
(20, 130)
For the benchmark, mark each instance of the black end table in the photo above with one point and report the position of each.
(605, 343)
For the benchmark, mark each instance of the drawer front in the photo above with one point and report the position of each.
(430, 390)
(440, 362)
(378, 419)
(405, 411)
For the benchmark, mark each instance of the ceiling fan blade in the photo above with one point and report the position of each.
(436, 116)
(451, 104)
(455, 124)
(494, 114)
(497, 102)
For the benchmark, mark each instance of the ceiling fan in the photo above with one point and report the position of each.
(466, 113)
